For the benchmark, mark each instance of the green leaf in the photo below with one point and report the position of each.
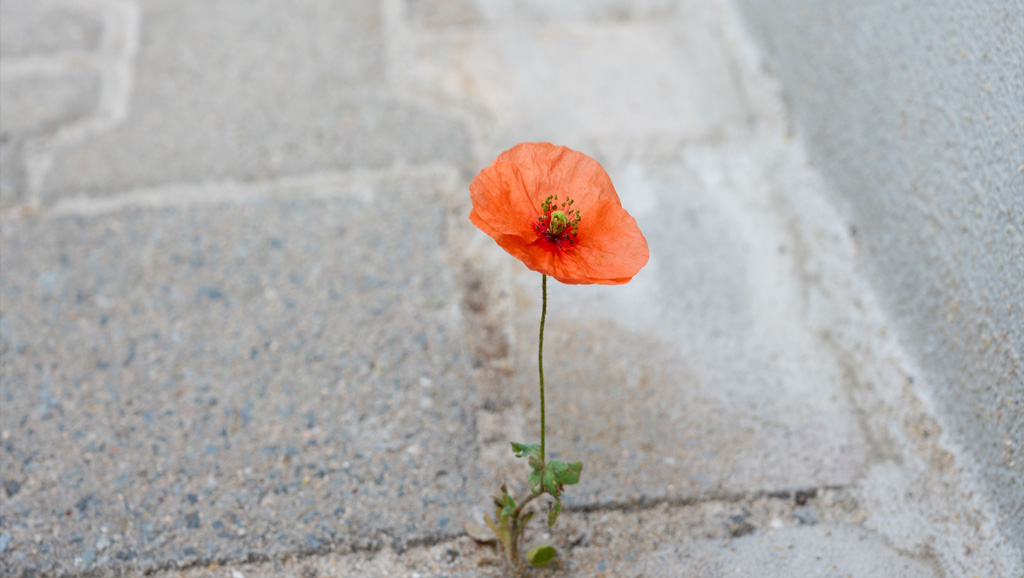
(572, 475)
(535, 463)
(507, 500)
(567, 474)
(553, 512)
(557, 466)
(523, 450)
(535, 477)
(541, 554)
(550, 482)
(507, 511)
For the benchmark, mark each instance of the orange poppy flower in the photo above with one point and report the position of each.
(556, 210)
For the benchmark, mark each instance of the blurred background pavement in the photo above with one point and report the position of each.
(246, 328)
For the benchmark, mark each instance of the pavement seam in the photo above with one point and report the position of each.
(356, 183)
(401, 45)
(721, 497)
(380, 541)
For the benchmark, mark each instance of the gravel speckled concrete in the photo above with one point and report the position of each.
(232, 380)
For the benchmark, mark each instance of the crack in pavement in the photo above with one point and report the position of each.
(713, 516)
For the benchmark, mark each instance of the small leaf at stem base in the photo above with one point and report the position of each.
(481, 534)
(498, 530)
(541, 554)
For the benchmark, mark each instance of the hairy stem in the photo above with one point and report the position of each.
(527, 500)
(540, 360)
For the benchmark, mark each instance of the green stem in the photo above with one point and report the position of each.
(526, 500)
(540, 360)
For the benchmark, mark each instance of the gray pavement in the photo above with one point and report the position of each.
(247, 330)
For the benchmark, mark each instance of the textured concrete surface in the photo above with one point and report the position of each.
(40, 27)
(246, 328)
(248, 90)
(34, 105)
(710, 539)
(804, 551)
(234, 380)
(914, 113)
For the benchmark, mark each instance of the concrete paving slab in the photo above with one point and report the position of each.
(378, 131)
(231, 381)
(249, 90)
(43, 27)
(35, 105)
(563, 82)
(635, 543)
(825, 550)
(31, 104)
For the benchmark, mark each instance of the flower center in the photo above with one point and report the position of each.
(558, 222)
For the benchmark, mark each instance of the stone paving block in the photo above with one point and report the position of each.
(214, 382)
(568, 83)
(41, 27)
(698, 377)
(31, 105)
(245, 90)
(825, 550)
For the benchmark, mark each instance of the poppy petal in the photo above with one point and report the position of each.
(547, 169)
(501, 204)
